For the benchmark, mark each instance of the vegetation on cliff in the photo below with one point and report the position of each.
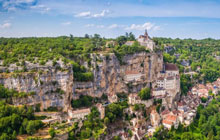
(8, 93)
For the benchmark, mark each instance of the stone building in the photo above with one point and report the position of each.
(132, 76)
(171, 120)
(144, 40)
(154, 118)
(79, 114)
(159, 92)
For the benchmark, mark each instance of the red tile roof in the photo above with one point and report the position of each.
(167, 122)
(131, 72)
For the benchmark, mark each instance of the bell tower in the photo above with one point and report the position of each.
(146, 34)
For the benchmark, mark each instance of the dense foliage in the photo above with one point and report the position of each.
(83, 101)
(7, 93)
(200, 54)
(121, 51)
(145, 94)
(17, 120)
(93, 127)
(114, 111)
(206, 125)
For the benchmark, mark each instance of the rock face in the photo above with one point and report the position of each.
(53, 87)
(137, 71)
(56, 87)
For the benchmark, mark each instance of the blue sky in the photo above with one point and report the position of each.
(110, 18)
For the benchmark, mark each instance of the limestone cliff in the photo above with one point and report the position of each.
(55, 86)
(52, 87)
(138, 70)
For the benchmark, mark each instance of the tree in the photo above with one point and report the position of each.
(52, 132)
(121, 40)
(145, 94)
(31, 128)
(106, 120)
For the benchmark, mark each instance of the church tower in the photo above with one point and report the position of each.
(146, 34)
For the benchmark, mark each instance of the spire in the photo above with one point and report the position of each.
(146, 34)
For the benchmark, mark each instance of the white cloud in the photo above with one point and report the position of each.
(88, 14)
(84, 14)
(93, 25)
(66, 23)
(144, 26)
(113, 26)
(141, 27)
(5, 25)
(41, 8)
(102, 14)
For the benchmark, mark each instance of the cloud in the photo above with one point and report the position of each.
(5, 25)
(83, 14)
(93, 25)
(89, 25)
(66, 23)
(88, 14)
(113, 26)
(102, 14)
(41, 8)
(147, 25)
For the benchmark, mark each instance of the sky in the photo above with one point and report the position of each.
(195, 19)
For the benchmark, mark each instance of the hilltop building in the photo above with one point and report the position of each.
(145, 41)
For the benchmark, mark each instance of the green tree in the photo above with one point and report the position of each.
(52, 132)
(145, 94)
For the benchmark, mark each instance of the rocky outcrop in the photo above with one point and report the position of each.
(138, 71)
(52, 88)
(55, 87)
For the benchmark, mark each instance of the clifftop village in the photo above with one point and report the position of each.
(165, 107)
(166, 88)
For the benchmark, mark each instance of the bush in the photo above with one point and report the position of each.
(145, 94)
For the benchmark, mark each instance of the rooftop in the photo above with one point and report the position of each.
(171, 67)
(128, 72)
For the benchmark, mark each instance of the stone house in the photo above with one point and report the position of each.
(135, 99)
(171, 69)
(132, 76)
(171, 120)
(154, 118)
(129, 43)
(79, 114)
(159, 92)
